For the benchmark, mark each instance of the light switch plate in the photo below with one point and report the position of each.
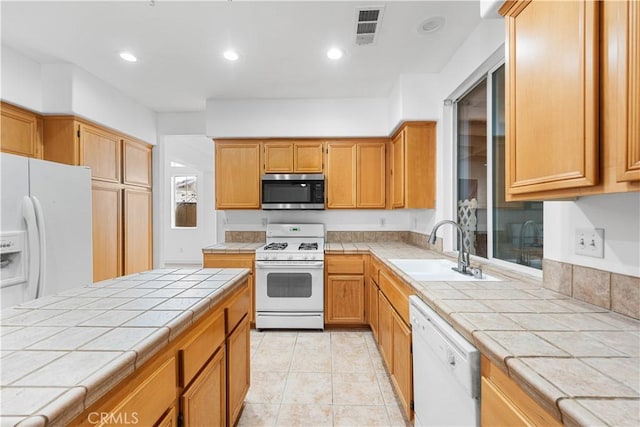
(589, 242)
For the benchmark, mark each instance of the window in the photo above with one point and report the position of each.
(185, 201)
(508, 231)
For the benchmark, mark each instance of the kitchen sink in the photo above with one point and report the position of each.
(436, 270)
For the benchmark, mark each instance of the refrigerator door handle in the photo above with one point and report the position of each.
(29, 216)
(42, 232)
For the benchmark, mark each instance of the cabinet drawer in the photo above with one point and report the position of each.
(397, 293)
(374, 269)
(237, 308)
(497, 410)
(196, 352)
(344, 264)
(228, 261)
(151, 399)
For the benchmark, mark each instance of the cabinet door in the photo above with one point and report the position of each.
(397, 171)
(170, 419)
(344, 300)
(341, 175)
(385, 330)
(238, 370)
(552, 93)
(371, 175)
(278, 157)
(204, 402)
(307, 157)
(373, 308)
(628, 67)
(136, 158)
(237, 175)
(138, 240)
(497, 409)
(402, 372)
(100, 150)
(21, 132)
(107, 231)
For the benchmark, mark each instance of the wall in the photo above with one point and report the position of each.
(263, 118)
(413, 98)
(185, 245)
(617, 214)
(21, 80)
(186, 123)
(68, 89)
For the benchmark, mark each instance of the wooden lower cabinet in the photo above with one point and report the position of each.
(203, 403)
(402, 372)
(344, 290)
(504, 403)
(344, 302)
(238, 369)
(170, 419)
(199, 379)
(385, 330)
(235, 260)
(373, 307)
(138, 234)
(107, 230)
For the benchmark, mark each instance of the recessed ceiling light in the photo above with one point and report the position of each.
(334, 53)
(231, 55)
(431, 25)
(128, 56)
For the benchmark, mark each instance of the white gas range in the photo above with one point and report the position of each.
(290, 278)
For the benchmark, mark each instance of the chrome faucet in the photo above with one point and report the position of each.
(463, 251)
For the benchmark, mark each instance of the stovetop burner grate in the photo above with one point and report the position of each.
(308, 246)
(276, 246)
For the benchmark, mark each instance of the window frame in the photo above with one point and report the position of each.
(172, 183)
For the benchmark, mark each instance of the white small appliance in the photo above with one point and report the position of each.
(290, 278)
(45, 228)
(446, 371)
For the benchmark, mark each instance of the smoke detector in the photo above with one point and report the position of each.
(368, 21)
(431, 25)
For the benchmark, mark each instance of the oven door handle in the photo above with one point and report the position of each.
(288, 266)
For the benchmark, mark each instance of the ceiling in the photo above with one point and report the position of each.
(282, 46)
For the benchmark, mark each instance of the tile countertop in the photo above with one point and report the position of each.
(579, 361)
(61, 353)
(232, 247)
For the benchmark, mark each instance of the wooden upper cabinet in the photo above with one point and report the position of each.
(413, 166)
(293, 157)
(21, 131)
(100, 150)
(278, 157)
(370, 182)
(551, 95)
(136, 163)
(626, 31)
(307, 157)
(341, 175)
(237, 175)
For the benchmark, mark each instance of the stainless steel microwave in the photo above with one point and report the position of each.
(293, 191)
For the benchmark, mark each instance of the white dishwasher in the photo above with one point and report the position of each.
(446, 371)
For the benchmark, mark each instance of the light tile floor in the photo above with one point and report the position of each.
(332, 378)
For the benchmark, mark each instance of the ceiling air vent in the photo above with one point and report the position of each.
(367, 23)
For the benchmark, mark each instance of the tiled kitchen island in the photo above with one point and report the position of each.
(63, 353)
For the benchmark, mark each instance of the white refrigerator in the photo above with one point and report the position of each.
(45, 228)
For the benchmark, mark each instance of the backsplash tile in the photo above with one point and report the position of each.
(612, 291)
(592, 286)
(557, 276)
(245, 236)
(625, 295)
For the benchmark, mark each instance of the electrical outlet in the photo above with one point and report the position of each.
(589, 242)
(264, 222)
(382, 222)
